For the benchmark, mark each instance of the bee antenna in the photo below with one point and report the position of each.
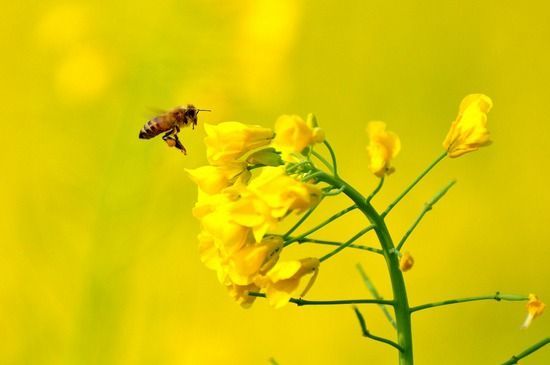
(204, 110)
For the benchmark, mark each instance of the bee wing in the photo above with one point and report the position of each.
(153, 112)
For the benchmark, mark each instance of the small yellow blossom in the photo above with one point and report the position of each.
(252, 212)
(535, 307)
(283, 193)
(226, 142)
(254, 259)
(207, 203)
(227, 235)
(293, 135)
(284, 279)
(469, 131)
(212, 179)
(240, 293)
(211, 256)
(383, 147)
(406, 262)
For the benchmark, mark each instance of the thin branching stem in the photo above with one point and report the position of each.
(515, 358)
(427, 207)
(321, 225)
(323, 160)
(335, 243)
(301, 302)
(347, 243)
(302, 219)
(376, 190)
(497, 296)
(370, 286)
(413, 184)
(367, 333)
(333, 157)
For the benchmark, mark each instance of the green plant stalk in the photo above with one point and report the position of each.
(334, 243)
(497, 296)
(413, 184)
(301, 302)
(427, 207)
(366, 332)
(320, 225)
(370, 286)
(401, 306)
(514, 359)
(376, 190)
(347, 243)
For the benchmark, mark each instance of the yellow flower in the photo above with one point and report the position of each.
(283, 193)
(285, 277)
(251, 211)
(228, 141)
(211, 256)
(535, 308)
(212, 179)
(383, 147)
(240, 293)
(227, 235)
(293, 135)
(207, 203)
(406, 262)
(254, 259)
(469, 131)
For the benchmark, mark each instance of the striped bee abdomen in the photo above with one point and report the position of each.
(150, 129)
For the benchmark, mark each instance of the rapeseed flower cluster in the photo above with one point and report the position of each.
(244, 192)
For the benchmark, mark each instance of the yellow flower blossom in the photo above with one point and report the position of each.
(284, 279)
(254, 259)
(240, 293)
(469, 131)
(383, 147)
(228, 141)
(227, 235)
(293, 135)
(406, 262)
(535, 307)
(283, 193)
(251, 211)
(211, 256)
(207, 203)
(212, 179)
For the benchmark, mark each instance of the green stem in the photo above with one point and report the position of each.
(367, 333)
(332, 156)
(323, 160)
(334, 243)
(427, 207)
(401, 307)
(497, 296)
(347, 243)
(301, 302)
(273, 361)
(321, 225)
(413, 184)
(303, 218)
(376, 190)
(514, 359)
(370, 286)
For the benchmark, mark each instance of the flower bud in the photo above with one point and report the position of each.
(406, 263)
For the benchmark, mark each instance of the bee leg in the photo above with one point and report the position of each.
(179, 145)
(168, 137)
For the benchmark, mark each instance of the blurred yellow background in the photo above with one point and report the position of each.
(98, 258)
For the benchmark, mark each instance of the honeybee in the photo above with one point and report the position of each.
(171, 122)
